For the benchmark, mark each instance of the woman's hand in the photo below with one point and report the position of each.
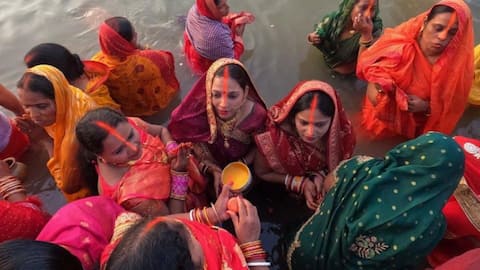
(364, 25)
(314, 38)
(4, 170)
(34, 131)
(416, 104)
(217, 178)
(310, 193)
(221, 203)
(246, 223)
(180, 161)
(240, 29)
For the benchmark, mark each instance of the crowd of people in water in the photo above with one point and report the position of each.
(147, 196)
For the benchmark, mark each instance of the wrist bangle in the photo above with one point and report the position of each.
(215, 213)
(179, 187)
(365, 43)
(171, 147)
(190, 215)
(259, 264)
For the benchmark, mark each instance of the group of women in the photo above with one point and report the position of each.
(161, 190)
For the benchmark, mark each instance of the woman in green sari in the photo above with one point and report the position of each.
(382, 213)
(343, 34)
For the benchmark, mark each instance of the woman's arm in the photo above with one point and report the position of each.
(265, 172)
(373, 90)
(208, 165)
(154, 130)
(10, 101)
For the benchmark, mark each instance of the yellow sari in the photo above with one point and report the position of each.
(71, 104)
(142, 81)
(474, 97)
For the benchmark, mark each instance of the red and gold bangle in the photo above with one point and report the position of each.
(253, 251)
(206, 217)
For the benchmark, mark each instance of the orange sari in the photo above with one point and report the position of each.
(398, 65)
(142, 81)
(71, 104)
(97, 74)
(149, 178)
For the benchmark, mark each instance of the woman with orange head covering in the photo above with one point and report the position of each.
(141, 80)
(53, 108)
(412, 70)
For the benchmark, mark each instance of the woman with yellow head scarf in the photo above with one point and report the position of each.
(53, 108)
(474, 97)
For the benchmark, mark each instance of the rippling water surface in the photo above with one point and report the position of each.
(277, 54)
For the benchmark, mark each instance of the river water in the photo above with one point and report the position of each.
(277, 55)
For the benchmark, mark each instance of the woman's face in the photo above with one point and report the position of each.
(363, 7)
(227, 97)
(223, 7)
(121, 145)
(436, 34)
(42, 110)
(311, 125)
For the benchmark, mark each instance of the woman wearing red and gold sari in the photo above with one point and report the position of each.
(219, 115)
(307, 135)
(462, 211)
(90, 76)
(179, 242)
(212, 33)
(139, 165)
(141, 80)
(412, 70)
(53, 108)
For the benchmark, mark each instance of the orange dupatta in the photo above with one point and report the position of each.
(71, 104)
(97, 74)
(396, 63)
(142, 81)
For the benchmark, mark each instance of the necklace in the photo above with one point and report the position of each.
(226, 128)
(352, 31)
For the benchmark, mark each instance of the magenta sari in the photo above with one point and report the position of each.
(84, 227)
(194, 120)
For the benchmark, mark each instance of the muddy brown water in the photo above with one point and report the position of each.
(277, 56)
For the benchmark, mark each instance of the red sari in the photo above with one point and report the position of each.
(216, 29)
(219, 247)
(398, 65)
(21, 220)
(142, 81)
(194, 120)
(286, 153)
(462, 211)
(149, 179)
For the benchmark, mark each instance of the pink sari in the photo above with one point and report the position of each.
(83, 227)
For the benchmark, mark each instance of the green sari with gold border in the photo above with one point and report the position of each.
(382, 213)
